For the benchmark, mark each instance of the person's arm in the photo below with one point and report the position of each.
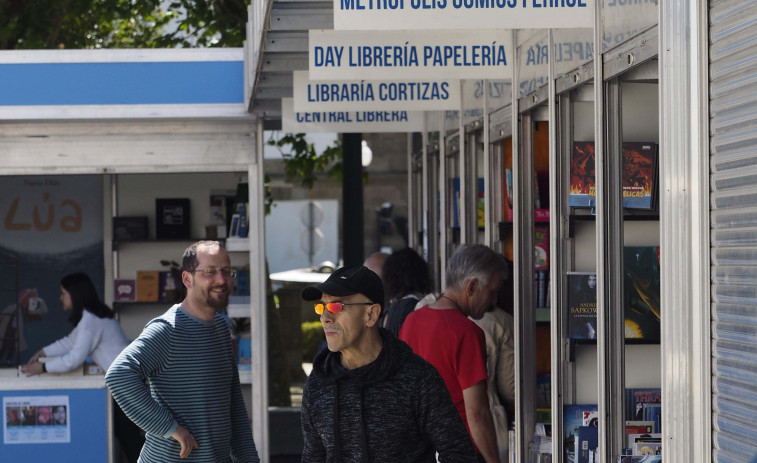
(36, 356)
(243, 448)
(126, 379)
(82, 341)
(440, 422)
(480, 421)
(62, 345)
(313, 449)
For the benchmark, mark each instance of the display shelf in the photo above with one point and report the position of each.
(117, 305)
(116, 243)
(245, 376)
(233, 310)
(234, 244)
(238, 310)
(538, 219)
(650, 216)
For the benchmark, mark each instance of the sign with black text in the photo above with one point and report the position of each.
(366, 15)
(348, 121)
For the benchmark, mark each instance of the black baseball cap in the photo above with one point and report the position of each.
(347, 281)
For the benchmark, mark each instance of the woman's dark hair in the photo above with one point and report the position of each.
(405, 272)
(84, 297)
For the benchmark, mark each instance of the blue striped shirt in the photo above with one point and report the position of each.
(193, 381)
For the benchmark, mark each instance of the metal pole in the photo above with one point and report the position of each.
(352, 199)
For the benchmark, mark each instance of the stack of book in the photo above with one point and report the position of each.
(543, 437)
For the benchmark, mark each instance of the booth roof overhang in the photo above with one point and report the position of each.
(277, 46)
(78, 111)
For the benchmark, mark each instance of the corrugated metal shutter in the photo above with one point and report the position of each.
(733, 106)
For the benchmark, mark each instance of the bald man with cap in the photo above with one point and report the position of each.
(369, 398)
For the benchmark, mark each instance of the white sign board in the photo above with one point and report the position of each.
(362, 15)
(389, 55)
(383, 95)
(349, 121)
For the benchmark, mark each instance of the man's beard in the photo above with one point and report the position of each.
(218, 302)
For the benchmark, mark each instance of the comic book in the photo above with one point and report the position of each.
(582, 187)
(639, 175)
(641, 291)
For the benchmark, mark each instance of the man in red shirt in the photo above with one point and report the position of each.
(443, 335)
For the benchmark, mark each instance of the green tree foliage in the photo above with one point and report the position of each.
(78, 24)
(302, 162)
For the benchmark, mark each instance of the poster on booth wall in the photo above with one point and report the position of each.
(50, 226)
(36, 420)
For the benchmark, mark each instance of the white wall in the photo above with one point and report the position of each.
(136, 196)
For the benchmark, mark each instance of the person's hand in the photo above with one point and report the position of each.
(35, 357)
(186, 439)
(32, 369)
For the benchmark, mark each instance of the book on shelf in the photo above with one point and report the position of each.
(641, 290)
(480, 203)
(644, 437)
(542, 288)
(641, 459)
(455, 201)
(575, 416)
(455, 196)
(639, 176)
(647, 444)
(582, 305)
(244, 353)
(639, 426)
(653, 414)
(244, 219)
(586, 444)
(543, 437)
(637, 397)
(541, 248)
(124, 290)
(541, 211)
(509, 195)
(148, 285)
(544, 415)
(582, 188)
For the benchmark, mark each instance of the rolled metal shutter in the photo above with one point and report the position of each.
(733, 145)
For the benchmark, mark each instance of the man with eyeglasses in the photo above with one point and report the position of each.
(193, 407)
(369, 398)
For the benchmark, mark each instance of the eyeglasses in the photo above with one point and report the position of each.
(211, 272)
(336, 307)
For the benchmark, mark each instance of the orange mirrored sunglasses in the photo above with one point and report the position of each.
(336, 307)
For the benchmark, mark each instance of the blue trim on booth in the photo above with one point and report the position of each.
(88, 420)
(120, 83)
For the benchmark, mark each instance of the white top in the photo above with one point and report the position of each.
(101, 338)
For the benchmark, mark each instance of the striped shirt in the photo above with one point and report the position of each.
(193, 381)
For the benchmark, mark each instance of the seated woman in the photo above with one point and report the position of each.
(406, 280)
(97, 334)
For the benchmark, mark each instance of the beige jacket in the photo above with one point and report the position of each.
(498, 326)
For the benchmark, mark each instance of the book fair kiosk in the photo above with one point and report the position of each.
(89, 136)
